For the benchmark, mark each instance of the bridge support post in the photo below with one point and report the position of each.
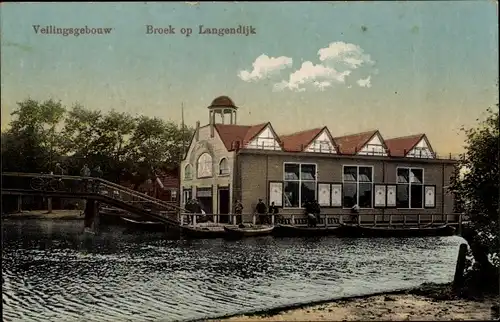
(49, 205)
(19, 203)
(90, 213)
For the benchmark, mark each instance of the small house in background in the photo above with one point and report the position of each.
(164, 187)
(226, 162)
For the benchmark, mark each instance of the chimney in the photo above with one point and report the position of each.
(212, 121)
(197, 133)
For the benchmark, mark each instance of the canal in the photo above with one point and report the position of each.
(53, 272)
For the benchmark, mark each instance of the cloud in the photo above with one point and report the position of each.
(318, 76)
(264, 66)
(365, 82)
(337, 62)
(348, 54)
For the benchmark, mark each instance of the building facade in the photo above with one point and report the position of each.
(228, 162)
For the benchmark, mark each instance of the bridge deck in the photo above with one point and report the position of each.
(71, 187)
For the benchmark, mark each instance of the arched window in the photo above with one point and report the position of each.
(204, 166)
(188, 175)
(223, 167)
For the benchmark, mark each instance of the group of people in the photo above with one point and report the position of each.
(265, 213)
(313, 211)
(86, 172)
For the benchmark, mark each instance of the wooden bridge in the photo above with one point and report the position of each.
(93, 190)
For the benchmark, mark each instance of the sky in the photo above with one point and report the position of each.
(400, 67)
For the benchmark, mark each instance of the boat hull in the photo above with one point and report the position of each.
(202, 232)
(237, 233)
(294, 231)
(360, 231)
(148, 226)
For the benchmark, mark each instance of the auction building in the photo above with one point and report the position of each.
(226, 162)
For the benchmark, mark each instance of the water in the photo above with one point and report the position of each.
(53, 272)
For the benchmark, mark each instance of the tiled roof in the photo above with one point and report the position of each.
(297, 142)
(353, 143)
(231, 133)
(400, 146)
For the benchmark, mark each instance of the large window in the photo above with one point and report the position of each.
(204, 168)
(357, 186)
(300, 184)
(410, 188)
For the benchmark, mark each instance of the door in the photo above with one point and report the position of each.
(224, 205)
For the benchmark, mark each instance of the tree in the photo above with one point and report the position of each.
(155, 145)
(32, 141)
(476, 187)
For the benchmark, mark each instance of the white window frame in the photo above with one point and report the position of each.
(190, 177)
(300, 183)
(315, 147)
(409, 184)
(228, 171)
(357, 166)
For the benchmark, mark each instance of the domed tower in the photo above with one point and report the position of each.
(222, 111)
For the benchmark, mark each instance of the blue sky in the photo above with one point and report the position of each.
(426, 66)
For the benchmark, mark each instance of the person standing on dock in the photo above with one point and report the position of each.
(97, 173)
(261, 211)
(355, 214)
(310, 213)
(238, 210)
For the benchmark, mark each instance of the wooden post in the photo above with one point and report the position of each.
(194, 219)
(254, 219)
(459, 270)
(326, 220)
(390, 220)
(292, 220)
(182, 220)
(359, 219)
(90, 212)
(432, 219)
(20, 203)
(418, 220)
(374, 220)
(404, 220)
(49, 205)
(272, 219)
(341, 219)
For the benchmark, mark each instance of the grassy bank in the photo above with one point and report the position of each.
(431, 302)
(43, 215)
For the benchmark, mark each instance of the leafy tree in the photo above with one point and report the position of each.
(155, 145)
(476, 185)
(33, 140)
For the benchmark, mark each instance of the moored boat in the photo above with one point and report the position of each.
(296, 231)
(206, 232)
(249, 231)
(150, 226)
(360, 231)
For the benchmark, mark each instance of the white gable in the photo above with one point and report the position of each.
(421, 150)
(373, 147)
(322, 144)
(265, 140)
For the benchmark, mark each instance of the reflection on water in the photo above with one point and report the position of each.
(53, 272)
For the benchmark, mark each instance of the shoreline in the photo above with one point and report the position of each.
(43, 215)
(429, 302)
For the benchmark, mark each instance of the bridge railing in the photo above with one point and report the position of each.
(75, 184)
